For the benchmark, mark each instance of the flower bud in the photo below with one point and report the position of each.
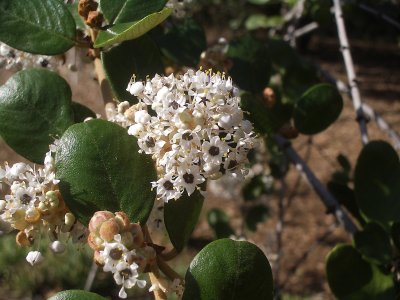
(137, 233)
(122, 220)
(98, 218)
(22, 239)
(32, 215)
(95, 242)
(57, 247)
(69, 219)
(108, 229)
(34, 257)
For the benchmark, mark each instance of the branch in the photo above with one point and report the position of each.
(348, 60)
(368, 110)
(379, 15)
(91, 276)
(330, 202)
(293, 17)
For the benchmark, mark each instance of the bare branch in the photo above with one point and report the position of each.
(348, 60)
(379, 15)
(327, 198)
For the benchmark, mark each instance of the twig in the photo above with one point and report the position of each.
(330, 202)
(354, 91)
(167, 270)
(91, 276)
(293, 17)
(305, 29)
(379, 15)
(279, 233)
(368, 110)
(155, 280)
(169, 255)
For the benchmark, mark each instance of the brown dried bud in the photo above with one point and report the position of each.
(22, 239)
(289, 132)
(108, 229)
(122, 220)
(95, 242)
(137, 233)
(94, 19)
(269, 97)
(86, 6)
(98, 218)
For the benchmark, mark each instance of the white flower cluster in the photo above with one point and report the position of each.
(11, 58)
(192, 125)
(33, 205)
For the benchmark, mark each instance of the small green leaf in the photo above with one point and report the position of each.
(255, 215)
(227, 269)
(376, 182)
(35, 108)
(76, 295)
(257, 21)
(351, 277)
(374, 243)
(140, 57)
(184, 43)
(73, 9)
(125, 11)
(181, 216)
(219, 222)
(81, 112)
(318, 108)
(129, 31)
(251, 68)
(37, 26)
(100, 169)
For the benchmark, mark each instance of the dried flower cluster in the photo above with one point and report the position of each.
(11, 58)
(120, 248)
(192, 125)
(33, 205)
(179, 7)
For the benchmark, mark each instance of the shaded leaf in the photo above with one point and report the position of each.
(376, 182)
(350, 277)
(251, 68)
(227, 269)
(318, 108)
(255, 215)
(100, 169)
(81, 112)
(374, 243)
(181, 216)
(219, 222)
(184, 42)
(35, 108)
(128, 31)
(125, 11)
(37, 26)
(257, 21)
(140, 57)
(254, 188)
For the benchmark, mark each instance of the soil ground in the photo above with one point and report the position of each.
(308, 234)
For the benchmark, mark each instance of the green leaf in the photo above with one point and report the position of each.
(140, 57)
(184, 43)
(257, 21)
(124, 11)
(251, 68)
(318, 108)
(376, 182)
(254, 188)
(81, 112)
(100, 169)
(73, 9)
(227, 269)
(282, 54)
(35, 108)
(181, 216)
(129, 31)
(262, 2)
(37, 26)
(255, 215)
(350, 277)
(344, 162)
(374, 243)
(76, 295)
(219, 222)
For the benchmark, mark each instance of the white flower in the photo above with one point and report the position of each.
(126, 275)
(34, 257)
(214, 150)
(113, 254)
(189, 178)
(135, 88)
(57, 247)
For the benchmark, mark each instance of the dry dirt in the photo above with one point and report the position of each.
(307, 233)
